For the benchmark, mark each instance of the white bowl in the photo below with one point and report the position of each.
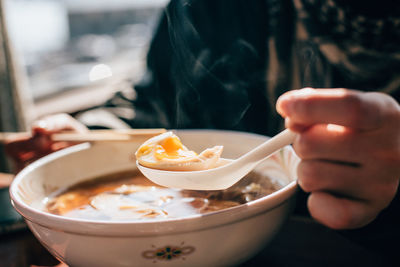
(220, 238)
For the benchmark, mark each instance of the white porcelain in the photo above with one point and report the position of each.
(222, 238)
(224, 176)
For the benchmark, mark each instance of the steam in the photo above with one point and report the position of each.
(312, 68)
(211, 82)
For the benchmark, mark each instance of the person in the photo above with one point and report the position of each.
(240, 65)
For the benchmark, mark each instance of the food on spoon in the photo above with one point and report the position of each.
(166, 152)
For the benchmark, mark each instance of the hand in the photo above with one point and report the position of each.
(349, 145)
(24, 150)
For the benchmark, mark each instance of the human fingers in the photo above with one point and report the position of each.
(43, 128)
(334, 143)
(338, 212)
(358, 164)
(26, 150)
(351, 108)
(360, 170)
(350, 149)
(56, 123)
(17, 149)
(356, 182)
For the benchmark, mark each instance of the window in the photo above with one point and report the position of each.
(72, 48)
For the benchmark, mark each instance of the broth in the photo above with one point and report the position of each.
(129, 196)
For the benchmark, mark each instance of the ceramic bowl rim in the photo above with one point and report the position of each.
(144, 228)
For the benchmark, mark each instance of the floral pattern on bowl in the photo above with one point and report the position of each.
(168, 252)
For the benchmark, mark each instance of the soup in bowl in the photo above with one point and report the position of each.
(90, 206)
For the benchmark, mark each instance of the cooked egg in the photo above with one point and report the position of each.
(166, 152)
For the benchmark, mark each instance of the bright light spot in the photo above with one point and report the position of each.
(335, 128)
(99, 72)
(305, 91)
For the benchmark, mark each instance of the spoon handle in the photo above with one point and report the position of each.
(261, 152)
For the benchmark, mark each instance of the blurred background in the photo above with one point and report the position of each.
(69, 48)
(68, 55)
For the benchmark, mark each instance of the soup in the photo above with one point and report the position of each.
(129, 196)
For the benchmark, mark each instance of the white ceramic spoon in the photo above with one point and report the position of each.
(221, 177)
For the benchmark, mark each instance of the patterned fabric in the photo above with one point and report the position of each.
(347, 24)
(363, 43)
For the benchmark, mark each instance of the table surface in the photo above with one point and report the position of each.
(300, 242)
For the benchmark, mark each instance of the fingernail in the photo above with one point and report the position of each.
(284, 105)
(42, 124)
(39, 127)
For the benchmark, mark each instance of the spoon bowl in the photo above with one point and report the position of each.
(227, 174)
